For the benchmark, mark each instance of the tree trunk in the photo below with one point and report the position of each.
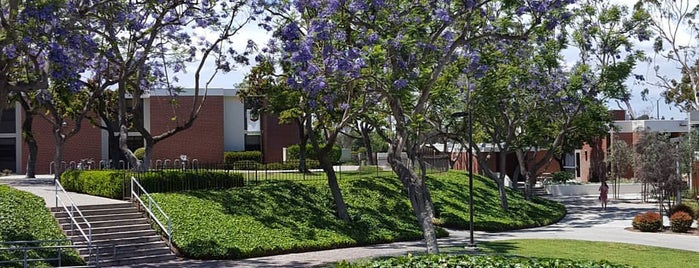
(340, 205)
(366, 139)
(31, 143)
(28, 136)
(501, 180)
(303, 141)
(58, 155)
(416, 189)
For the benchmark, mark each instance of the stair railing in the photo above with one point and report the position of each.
(72, 215)
(149, 208)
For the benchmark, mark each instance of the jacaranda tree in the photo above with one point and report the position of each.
(397, 50)
(147, 45)
(44, 54)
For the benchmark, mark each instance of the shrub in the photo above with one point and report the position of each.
(293, 152)
(561, 177)
(139, 153)
(24, 217)
(246, 165)
(680, 222)
(176, 181)
(648, 222)
(684, 208)
(116, 184)
(232, 157)
(106, 183)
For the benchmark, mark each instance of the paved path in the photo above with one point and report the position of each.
(43, 186)
(584, 221)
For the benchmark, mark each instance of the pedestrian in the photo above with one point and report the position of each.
(603, 190)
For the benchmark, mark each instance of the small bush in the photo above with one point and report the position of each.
(680, 222)
(648, 222)
(684, 208)
(246, 165)
(293, 152)
(561, 177)
(176, 181)
(24, 217)
(106, 183)
(232, 157)
(140, 153)
(116, 184)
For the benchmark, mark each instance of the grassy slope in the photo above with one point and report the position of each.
(24, 217)
(450, 194)
(298, 216)
(635, 255)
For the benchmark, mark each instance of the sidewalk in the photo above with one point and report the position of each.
(585, 221)
(43, 187)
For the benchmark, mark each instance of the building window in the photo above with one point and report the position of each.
(253, 143)
(7, 153)
(7, 122)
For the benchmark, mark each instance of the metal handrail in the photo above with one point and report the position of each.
(25, 249)
(149, 209)
(73, 209)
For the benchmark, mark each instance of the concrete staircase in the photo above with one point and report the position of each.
(121, 234)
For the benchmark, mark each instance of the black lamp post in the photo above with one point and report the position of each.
(471, 244)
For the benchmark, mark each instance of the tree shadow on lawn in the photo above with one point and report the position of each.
(452, 207)
(307, 210)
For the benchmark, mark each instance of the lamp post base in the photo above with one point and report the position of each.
(471, 247)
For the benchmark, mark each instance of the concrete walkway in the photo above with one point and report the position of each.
(43, 187)
(584, 221)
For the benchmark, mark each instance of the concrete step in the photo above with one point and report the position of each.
(95, 212)
(121, 236)
(134, 261)
(109, 229)
(123, 241)
(66, 224)
(96, 207)
(113, 253)
(106, 217)
(109, 248)
(116, 236)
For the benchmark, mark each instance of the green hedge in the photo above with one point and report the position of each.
(175, 181)
(232, 157)
(116, 184)
(106, 183)
(477, 261)
(288, 165)
(294, 150)
(24, 217)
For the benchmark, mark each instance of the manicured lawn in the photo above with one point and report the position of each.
(292, 216)
(450, 195)
(635, 255)
(24, 217)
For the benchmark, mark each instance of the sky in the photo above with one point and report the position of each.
(652, 106)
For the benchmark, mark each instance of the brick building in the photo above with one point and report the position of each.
(587, 163)
(224, 124)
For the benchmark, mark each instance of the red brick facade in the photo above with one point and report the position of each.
(85, 144)
(276, 136)
(203, 141)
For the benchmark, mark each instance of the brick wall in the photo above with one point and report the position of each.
(85, 144)
(276, 136)
(203, 141)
